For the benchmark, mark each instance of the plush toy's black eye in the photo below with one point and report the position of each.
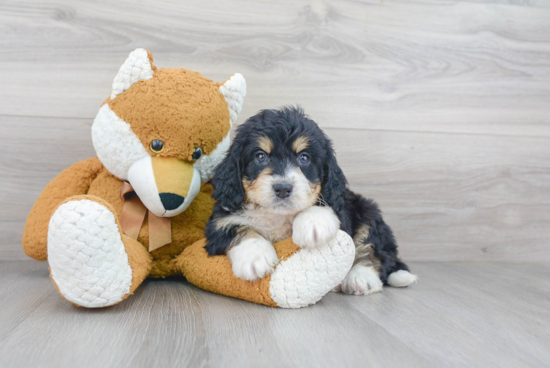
(197, 154)
(157, 146)
(303, 159)
(261, 157)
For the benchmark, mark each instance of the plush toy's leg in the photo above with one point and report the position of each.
(302, 277)
(92, 263)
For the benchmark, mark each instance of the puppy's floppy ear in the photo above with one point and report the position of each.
(227, 179)
(334, 184)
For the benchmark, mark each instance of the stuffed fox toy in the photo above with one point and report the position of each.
(139, 208)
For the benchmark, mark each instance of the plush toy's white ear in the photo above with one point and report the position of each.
(137, 67)
(234, 91)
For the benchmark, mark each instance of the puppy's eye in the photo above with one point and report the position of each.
(303, 159)
(157, 146)
(261, 157)
(197, 154)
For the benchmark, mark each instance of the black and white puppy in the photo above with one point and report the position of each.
(281, 179)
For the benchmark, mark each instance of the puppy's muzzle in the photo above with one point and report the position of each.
(282, 190)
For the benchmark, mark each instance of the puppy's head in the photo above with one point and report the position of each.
(281, 162)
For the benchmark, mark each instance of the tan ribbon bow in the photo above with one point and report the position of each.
(133, 214)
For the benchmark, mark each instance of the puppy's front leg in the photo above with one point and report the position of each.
(252, 257)
(315, 226)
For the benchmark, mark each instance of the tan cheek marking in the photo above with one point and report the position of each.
(256, 192)
(309, 197)
(265, 144)
(300, 144)
(315, 191)
(246, 184)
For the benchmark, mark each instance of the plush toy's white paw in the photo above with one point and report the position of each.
(361, 280)
(401, 278)
(87, 258)
(308, 275)
(253, 259)
(315, 226)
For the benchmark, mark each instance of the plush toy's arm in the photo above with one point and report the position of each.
(301, 278)
(72, 181)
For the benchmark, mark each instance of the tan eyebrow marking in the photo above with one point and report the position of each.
(265, 144)
(300, 144)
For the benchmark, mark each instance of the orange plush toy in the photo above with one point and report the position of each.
(139, 208)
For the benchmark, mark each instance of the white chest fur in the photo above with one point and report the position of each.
(273, 227)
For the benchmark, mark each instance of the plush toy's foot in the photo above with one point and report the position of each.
(91, 262)
(305, 277)
(302, 277)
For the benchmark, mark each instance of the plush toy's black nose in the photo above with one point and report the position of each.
(282, 190)
(171, 201)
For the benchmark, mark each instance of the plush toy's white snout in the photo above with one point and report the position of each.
(165, 185)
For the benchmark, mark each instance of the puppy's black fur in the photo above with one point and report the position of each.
(355, 212)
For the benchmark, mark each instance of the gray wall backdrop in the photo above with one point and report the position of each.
(440, 110)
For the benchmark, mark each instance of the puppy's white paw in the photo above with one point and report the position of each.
(361, 280)
(315, 226)
(253, 259)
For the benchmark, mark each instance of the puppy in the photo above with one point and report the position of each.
(281, 179)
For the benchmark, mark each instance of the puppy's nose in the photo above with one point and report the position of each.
(282, 190)
(171, 201)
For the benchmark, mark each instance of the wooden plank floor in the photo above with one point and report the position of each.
(458, 314)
